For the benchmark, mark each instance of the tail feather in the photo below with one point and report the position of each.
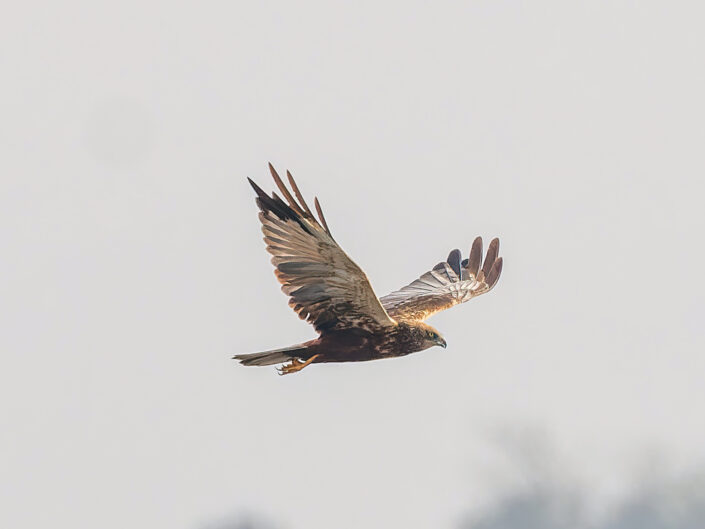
(275, 356)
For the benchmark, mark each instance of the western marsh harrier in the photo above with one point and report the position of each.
(326, 288)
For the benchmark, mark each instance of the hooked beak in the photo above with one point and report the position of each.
(442, 342)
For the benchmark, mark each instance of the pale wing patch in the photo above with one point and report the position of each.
(449, 283)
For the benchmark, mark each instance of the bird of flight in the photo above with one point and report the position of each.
(326, 288)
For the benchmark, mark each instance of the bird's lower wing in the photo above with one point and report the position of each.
(449, 283)
(325, 286)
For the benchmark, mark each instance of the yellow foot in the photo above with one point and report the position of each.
(295, 365)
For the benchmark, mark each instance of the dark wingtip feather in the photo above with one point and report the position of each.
(276, 205)
(320, 215)
(274, 173)
(298, 194)
(280, 184)
(454, 261)
(495, 272)
(491, 256)
(475, 258)
(271, 169)
(257, 188)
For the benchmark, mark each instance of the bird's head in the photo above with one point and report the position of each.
(431, 336)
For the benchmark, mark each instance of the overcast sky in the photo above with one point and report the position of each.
(132, 264)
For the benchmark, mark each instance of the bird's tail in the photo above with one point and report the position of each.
(275, 356)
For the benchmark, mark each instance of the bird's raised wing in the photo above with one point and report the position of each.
(325, 286)
(449, 283)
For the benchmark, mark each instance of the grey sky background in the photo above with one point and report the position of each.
(133, 268)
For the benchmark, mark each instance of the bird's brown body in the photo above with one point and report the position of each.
(358, 345)
(326, 288)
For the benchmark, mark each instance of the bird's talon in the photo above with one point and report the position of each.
(295, 365)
